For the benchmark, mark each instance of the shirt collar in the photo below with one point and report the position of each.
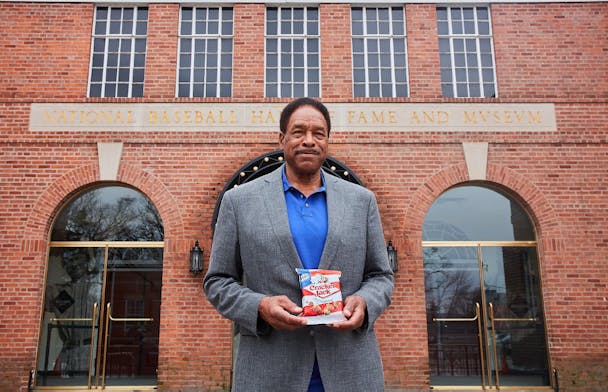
(287, 185)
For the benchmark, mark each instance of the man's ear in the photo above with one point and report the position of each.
(281, 139)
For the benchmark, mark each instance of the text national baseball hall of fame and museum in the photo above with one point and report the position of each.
(255, 117)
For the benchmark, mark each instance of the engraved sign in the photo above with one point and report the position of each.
(255, 117)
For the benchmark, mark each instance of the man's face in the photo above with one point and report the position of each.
(305, 141)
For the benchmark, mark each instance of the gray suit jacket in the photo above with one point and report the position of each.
(253, 244)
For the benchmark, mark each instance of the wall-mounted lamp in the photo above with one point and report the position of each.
(392, 256)
(196, 259)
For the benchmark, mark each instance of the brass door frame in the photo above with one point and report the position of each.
(487, 322)
(100, 315)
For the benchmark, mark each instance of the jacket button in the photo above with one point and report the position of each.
(311, 333)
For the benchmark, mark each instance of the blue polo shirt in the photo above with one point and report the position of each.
(307, 221)
(308, 224)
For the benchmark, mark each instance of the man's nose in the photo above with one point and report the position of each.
(308, 138)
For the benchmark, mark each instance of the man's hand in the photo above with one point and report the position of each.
(279, 311)
(354, 311)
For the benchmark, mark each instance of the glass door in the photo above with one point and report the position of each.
(131, 327)
(70, 325)
(102, 316)
(484, 316)
(454, 327)
(514, 316)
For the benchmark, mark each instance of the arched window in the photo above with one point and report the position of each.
(485, 319)
(103, 288)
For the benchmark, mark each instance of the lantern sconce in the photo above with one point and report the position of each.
(196, 259)
(392, 256)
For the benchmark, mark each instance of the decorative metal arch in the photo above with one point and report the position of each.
(266, 163)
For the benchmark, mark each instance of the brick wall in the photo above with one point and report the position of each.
(544, 53)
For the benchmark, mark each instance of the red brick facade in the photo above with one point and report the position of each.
(545, 53)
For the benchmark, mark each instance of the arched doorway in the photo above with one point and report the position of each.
(485, 318)
(101, 318)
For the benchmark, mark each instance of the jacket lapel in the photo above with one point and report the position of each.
(276, 209)
(335, 212)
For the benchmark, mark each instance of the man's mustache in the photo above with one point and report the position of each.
(308, 151)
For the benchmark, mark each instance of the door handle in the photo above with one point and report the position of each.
(492, 319)
(131, 319)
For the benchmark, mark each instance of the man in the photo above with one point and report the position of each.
(297, 217)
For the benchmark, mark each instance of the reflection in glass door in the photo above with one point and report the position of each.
(70, 325)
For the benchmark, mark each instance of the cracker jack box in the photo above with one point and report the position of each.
(321, 296)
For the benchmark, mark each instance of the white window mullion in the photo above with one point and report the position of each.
(218, 67)
(393, 69)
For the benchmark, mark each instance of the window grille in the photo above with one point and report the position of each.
(292, 52)
(379, 52)
(466, 52)
(118, 57)
(205, 52)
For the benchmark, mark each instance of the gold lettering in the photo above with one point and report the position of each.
(48, 117)
(351, 116)
(414, 118)
(378, 117)
(470, 117)
(507, 118)
(391, 117)
(497, 116)
(130, 119)
(92, 116)
(519, 116)
(106, 117)
(210, 118)
(262, 117)
(177, 116)
(432, 117)
(198, 117)
(232, 117)
(257, 117)
(165, 118)
(534, 118)
(361, 118)
(120, 118)
(153, 117)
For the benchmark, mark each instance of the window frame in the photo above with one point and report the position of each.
(107, 36)
(220, 37)
(305, 37)
(450, 36)
(391, 36)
